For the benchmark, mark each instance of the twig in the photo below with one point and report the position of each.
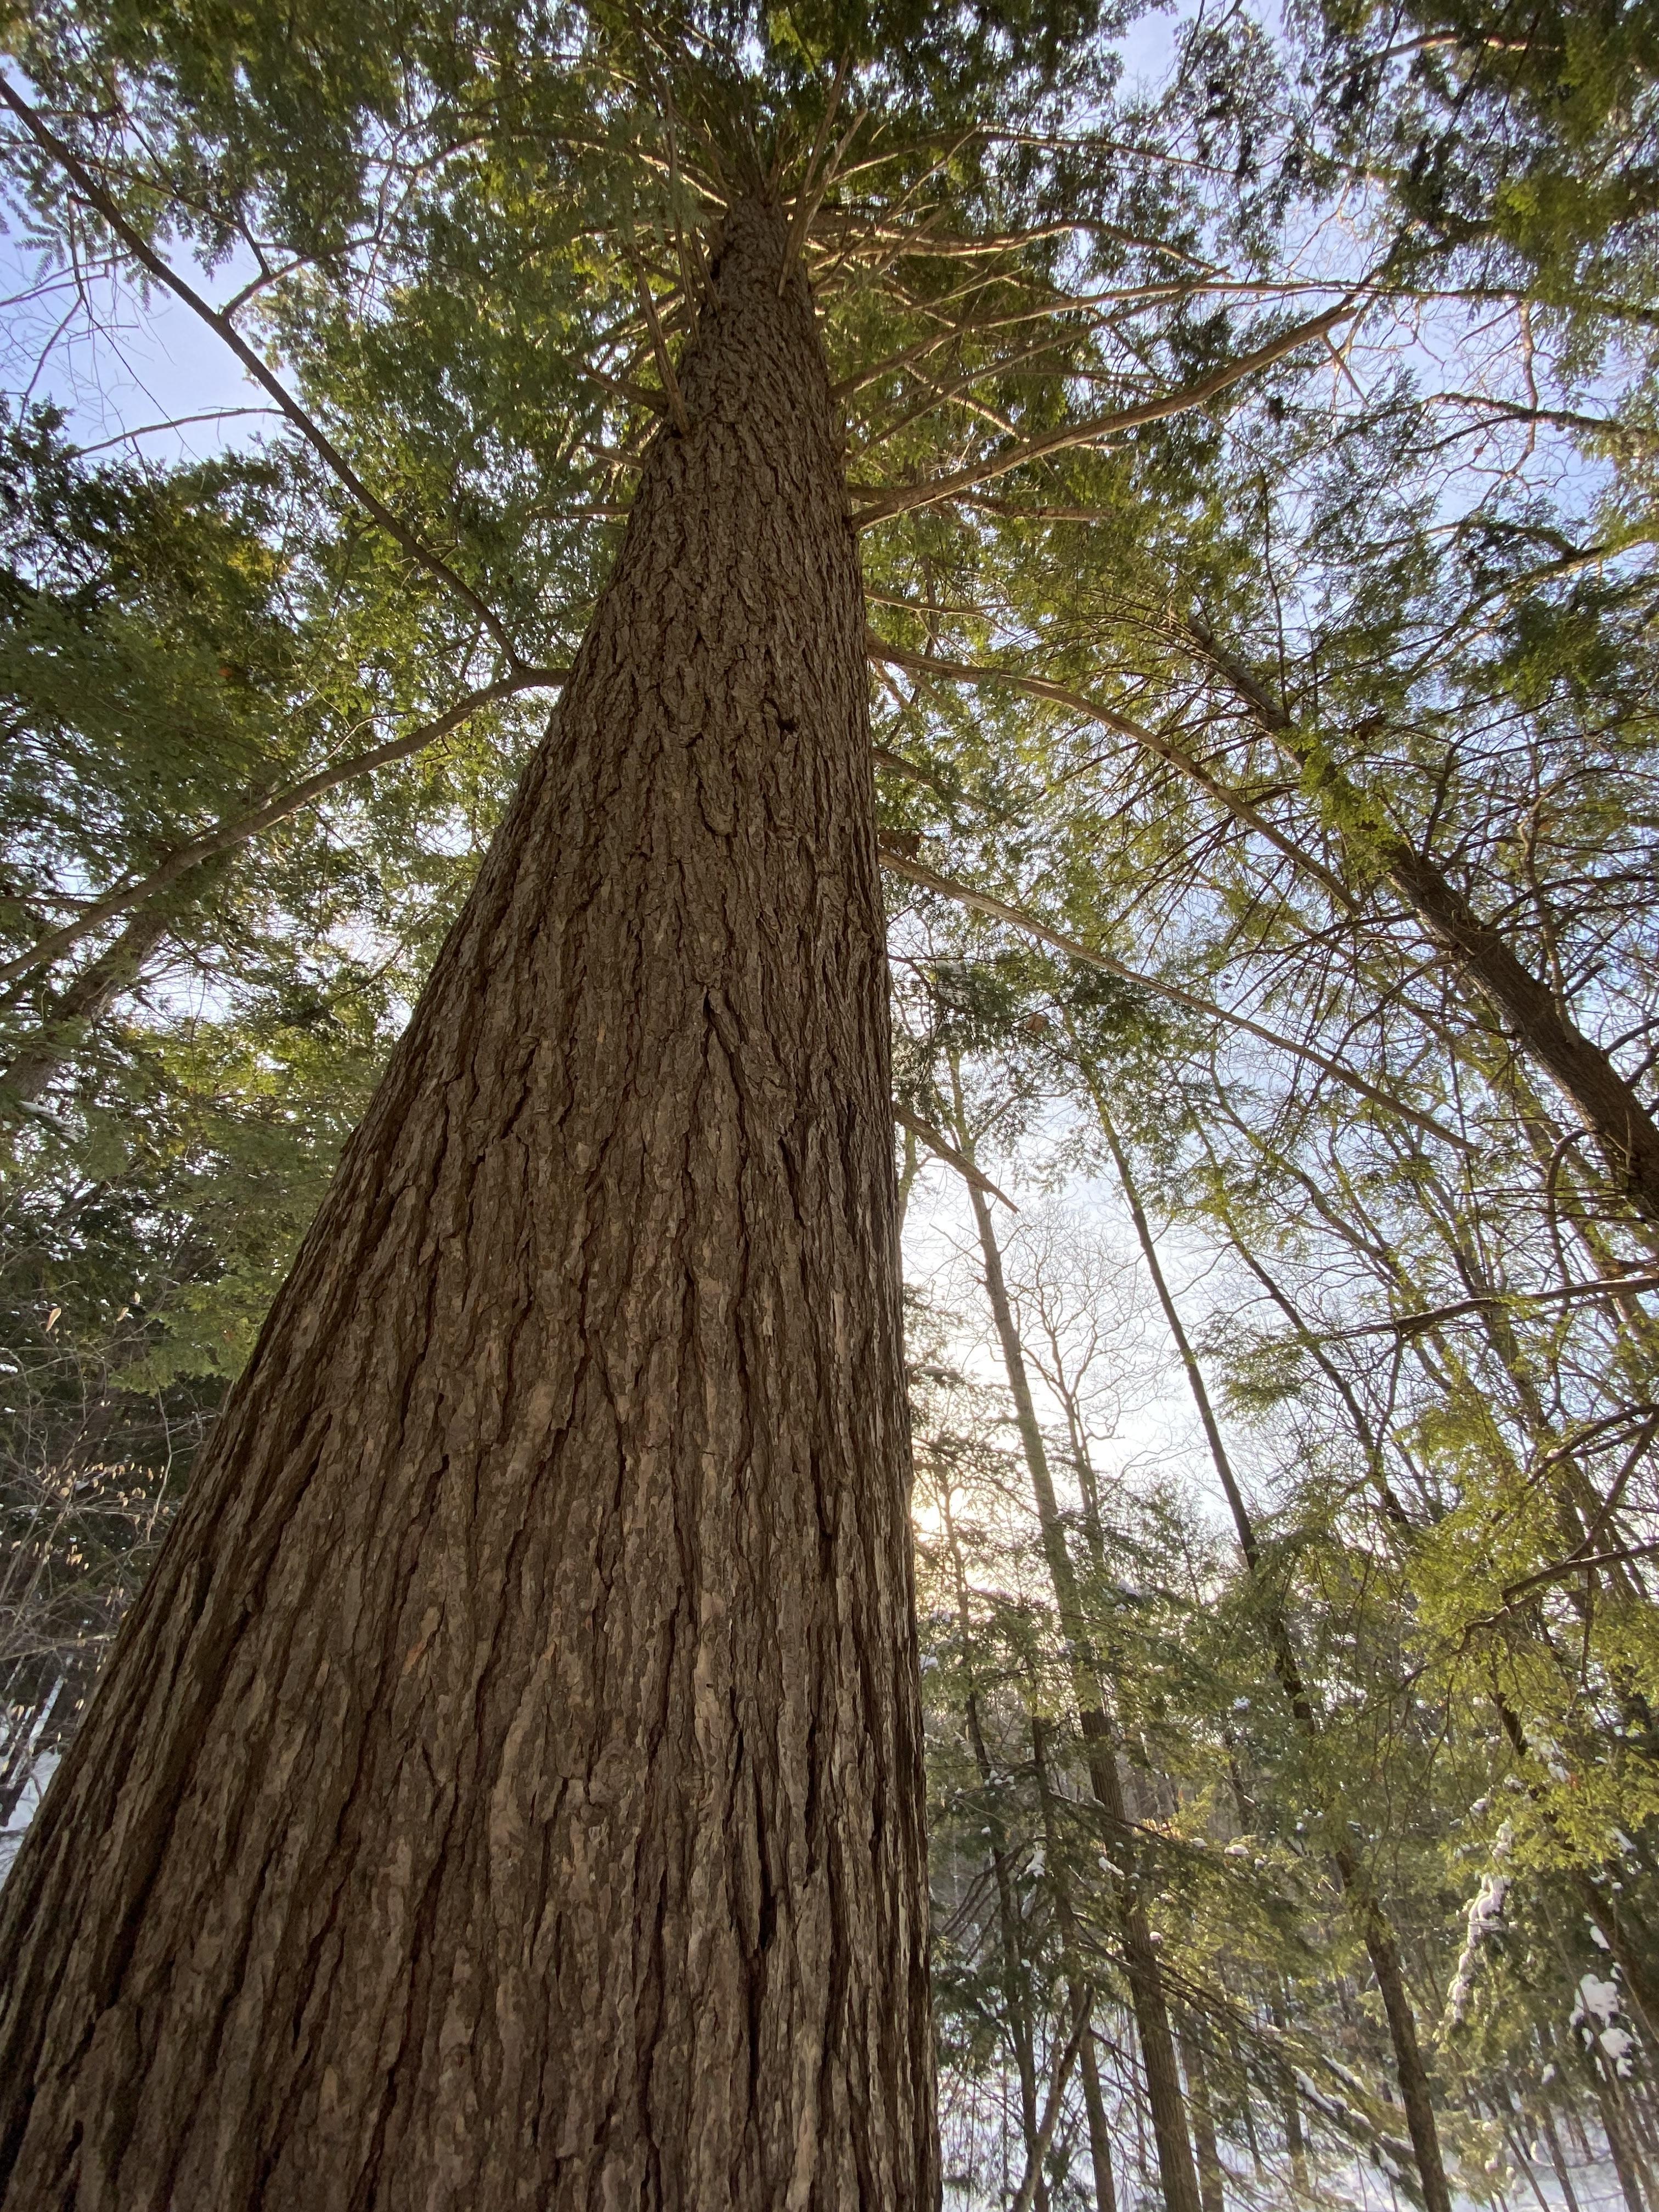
(904, 498)
(900, 864)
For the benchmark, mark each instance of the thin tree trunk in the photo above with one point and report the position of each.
(1211, 2188)
(1026, 2195)
(48, 1732)
(1626, 2163)
(507, 1790)
(1246, 2105)
(1144, 1975)
(1016, 1981)
(1296, 2142)
(1557, 2158)
(1079, 1993)
(1381, 1945)
(1100, 2134)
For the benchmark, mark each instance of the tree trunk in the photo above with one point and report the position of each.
(1557, 2158)
(1626, 2163)
(1380, 1946)
(1140, 1960)
(1622, 1125)
(1295, 2143)
(1016, 1981)
(1079, 1995)
(507, 1790)
(1211, 2188)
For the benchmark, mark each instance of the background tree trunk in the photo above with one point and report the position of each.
(1381, 1945)
(507, 1790)
(1141, 1966)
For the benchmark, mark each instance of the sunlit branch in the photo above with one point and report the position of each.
(148, 258)
(1038, 687)
(266, 814)
(900, 864)
(905, 498)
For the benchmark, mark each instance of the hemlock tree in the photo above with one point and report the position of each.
(507, 1788)
(496, 1789)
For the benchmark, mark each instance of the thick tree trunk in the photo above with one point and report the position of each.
(507, 1790)
(1141, 1965)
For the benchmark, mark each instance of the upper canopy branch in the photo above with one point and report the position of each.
(904, 498)
(89, 189)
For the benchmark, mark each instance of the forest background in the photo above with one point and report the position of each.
(1252, 430)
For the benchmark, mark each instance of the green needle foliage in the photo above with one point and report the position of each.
(1254, 482)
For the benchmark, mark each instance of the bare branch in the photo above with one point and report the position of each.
(900, 864)
(947, 1151)
(95, 197)
(1164, 749)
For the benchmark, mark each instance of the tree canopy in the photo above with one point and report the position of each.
(1253, 472)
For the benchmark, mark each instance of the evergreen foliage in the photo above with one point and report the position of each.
(1255, 483)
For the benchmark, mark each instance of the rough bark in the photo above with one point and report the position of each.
(507, 1790)
(1142, 1969)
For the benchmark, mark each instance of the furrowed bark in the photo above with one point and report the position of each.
(1141, 1966)
(507, 1790)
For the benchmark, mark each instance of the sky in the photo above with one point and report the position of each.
(123, 365)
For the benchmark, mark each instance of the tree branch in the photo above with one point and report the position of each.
(1038, 687)
(903, 498)
(1408, 1324)
(947, 1151)
(103, 203)
(900, 864)
(264, 816)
